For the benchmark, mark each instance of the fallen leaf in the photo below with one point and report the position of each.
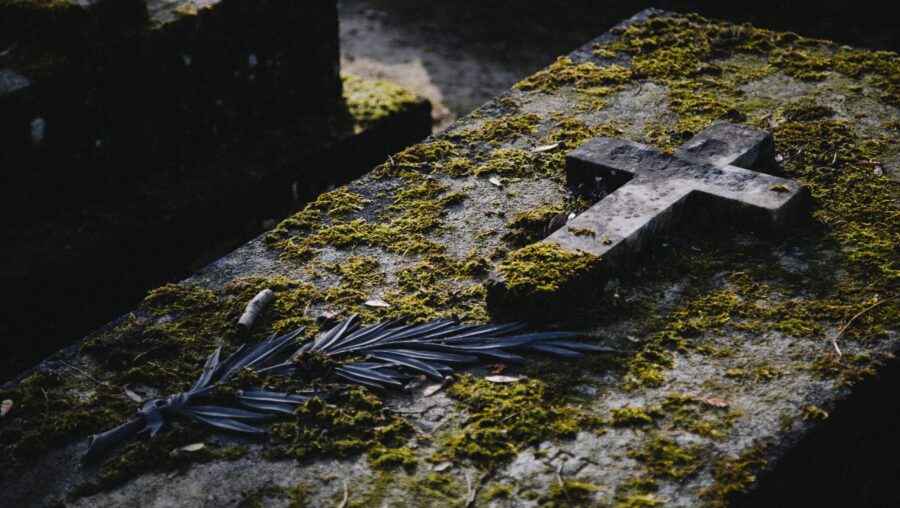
(132, 395)
(496, 181)
(503, 379)
(5, 407)
(193, 447)
(443, 466)
(432, 389)
(497, 368)
(714, 402)
(557, 222)
(377, 302)
(544, 148)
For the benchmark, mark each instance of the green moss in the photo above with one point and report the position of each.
(499, 492)
(635, 416)
(509, 162)
(664, 458)
(695, 416)
(733, 477)
(532, 225)
(570, 493)
(640, 501)
(356, 421)
(811, 412)
(634, 492)
(161, 456)
(296, 497)
(417, 209)
(423, 156)
(436, 488)
(505, 417)
(497, 131)
(573, 132)
(385, 458)
(544, 267)
(458, 166)
(372, 100)
(566, 72)
(848, 370)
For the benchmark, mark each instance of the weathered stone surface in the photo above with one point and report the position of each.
(734, 345)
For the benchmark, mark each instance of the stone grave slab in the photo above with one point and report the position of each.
(741, 356)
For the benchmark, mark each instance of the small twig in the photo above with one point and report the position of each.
(859, 314)
(346, 495)
(164, 369)
(562, 485)
(473, 494)
(92, 378)
(256, 305)
(517, 413)
(46, 402)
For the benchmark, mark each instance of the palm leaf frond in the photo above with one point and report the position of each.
(381, 356)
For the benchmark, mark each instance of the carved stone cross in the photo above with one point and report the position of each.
(714, 170)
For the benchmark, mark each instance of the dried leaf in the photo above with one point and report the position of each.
(432, 389)
(132, 395)
(544, 148)
(5, 407)
(497, 368)
(496, 181)
(377, 302)
(503, 379)
(193, 447)
(714, 402)
(443, 466)
(557, 222)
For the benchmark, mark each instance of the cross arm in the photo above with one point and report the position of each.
(725, 144)
(615, 160)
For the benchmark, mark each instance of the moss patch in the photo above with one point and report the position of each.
(504, 418)
(733, 477)
(664, 458)
(544, 267)
(372, 100)
(354, 422)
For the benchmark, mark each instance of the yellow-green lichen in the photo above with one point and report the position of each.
(505, 417)
(635, 416)
(372, 100)
(497, 131)
(568, 493)
(354, 422)
(664, 458)
(544, 267)
(733, 477)
(566, 72)
(295, 497)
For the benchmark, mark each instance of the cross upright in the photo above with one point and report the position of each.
(715, 170)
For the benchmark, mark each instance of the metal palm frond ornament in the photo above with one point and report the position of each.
(381, 356)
